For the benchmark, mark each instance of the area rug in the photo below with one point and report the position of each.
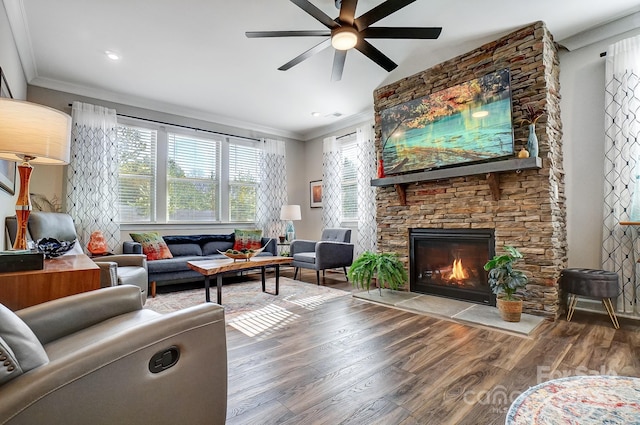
(242, 298)
(583, 400)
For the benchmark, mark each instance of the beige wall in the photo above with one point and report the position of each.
(11, 67)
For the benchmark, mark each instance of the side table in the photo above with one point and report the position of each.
(284, 248)
(60, 277)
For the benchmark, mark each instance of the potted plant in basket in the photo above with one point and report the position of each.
(504, 280)
(386, 267)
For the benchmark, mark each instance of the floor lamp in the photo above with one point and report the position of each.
(290, 213)
(31, 133)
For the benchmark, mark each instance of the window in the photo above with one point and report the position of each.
(193, 177)
(243, 181)
(349, 179)
(137, 169)
(173, 175)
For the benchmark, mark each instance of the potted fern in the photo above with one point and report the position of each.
(504, 280)
(387, 268)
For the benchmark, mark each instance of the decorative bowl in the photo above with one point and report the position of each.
(241, 255)
(52, 248)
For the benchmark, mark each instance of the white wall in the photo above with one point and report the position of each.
(582, 106)
(12, 68)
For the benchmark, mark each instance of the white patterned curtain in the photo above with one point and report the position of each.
(622, 167)
(366, 167)
(92, 174)
(331, 183)
(272, 190)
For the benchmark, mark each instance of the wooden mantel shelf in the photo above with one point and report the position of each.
(491, 169)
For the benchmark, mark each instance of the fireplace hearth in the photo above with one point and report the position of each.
(449, 263)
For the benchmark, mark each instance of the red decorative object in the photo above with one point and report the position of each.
(97, 244)
(380, 167)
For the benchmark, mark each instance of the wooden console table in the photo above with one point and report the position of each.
(61, 277)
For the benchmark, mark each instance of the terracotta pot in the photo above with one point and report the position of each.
(510, 311)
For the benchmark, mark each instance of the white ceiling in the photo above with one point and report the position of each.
(191, 57)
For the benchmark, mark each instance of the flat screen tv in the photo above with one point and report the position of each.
(470, 122)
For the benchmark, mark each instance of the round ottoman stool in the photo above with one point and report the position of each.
(590, 283)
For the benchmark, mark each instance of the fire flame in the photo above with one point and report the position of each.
(458, 272)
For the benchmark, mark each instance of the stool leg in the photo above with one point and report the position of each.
(573, 300)
(608, 305)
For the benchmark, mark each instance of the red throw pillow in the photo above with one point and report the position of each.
(153, 246)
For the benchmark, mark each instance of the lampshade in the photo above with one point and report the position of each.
(38, 132)
(290, 212)
(344, 38)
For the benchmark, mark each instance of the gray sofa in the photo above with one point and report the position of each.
(189, 248)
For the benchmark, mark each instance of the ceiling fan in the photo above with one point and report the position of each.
(346, 32)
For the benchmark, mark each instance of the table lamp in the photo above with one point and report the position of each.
(290, 213)
(31, 133)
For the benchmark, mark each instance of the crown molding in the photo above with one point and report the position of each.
(349, 121)
(20, 29)
(602, 32)
(162, 107)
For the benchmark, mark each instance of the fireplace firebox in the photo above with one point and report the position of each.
(449, 263)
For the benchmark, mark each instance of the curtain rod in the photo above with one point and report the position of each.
(345, 135)
(185, 126)
(350, 134)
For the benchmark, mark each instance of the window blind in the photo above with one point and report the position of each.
(193, 176)
(243, 181)
(137, 170)
(349, 155)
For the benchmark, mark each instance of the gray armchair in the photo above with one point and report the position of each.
(100, 358)
(333, 250)
(126, 269)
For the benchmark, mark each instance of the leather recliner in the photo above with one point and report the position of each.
(100, 358)
(124, 269)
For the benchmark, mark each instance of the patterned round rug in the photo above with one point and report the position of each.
(244, 297)
(583, 400)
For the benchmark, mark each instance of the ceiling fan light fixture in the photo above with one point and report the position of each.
(344, 38)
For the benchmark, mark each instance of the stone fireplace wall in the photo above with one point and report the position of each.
(530, 213)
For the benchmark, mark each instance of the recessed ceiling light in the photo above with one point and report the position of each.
(112, 55)
(480, 114)
(315, 114)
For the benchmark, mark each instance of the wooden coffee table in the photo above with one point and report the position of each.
(217, 268)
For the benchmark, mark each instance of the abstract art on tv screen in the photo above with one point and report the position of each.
(470, 122)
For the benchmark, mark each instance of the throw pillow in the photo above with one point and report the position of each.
(153, 246)
(247, 239)
(20, 350)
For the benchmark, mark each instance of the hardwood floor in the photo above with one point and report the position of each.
(352, 362)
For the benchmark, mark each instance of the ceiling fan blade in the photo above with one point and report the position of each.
(338, 65)
(403, 32)
(380, 11)
(259, 34)
(316, 13)
(306, 55)
(375, 55)
(348, 11)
